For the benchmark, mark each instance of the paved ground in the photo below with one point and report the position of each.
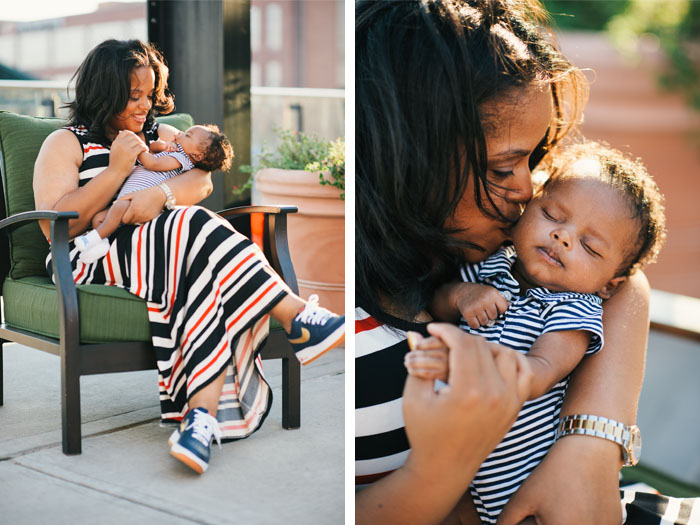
(125, 473)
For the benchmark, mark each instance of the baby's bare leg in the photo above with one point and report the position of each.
(99, 218)
(113, 219)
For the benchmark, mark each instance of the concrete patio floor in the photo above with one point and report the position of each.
(126, 474)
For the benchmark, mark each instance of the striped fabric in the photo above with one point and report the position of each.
(142, 178)
(381, 445)
(208, 290)
(645, 508)
(536, 312)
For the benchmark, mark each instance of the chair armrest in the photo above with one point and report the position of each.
(38, 215)
(60, 261)
(243, 210)
(275, 245)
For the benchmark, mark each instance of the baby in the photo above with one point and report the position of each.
(201, 147)
(597, 219)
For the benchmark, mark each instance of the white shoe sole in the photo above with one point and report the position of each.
(189, 459)
(310, 353)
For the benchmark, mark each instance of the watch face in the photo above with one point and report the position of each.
(636, 444)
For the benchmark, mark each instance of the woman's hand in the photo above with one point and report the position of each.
(125, 149)
(144, 205)
(450, 431)
(488, 385)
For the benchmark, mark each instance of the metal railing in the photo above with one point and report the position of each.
(37, 98)
(319, 111)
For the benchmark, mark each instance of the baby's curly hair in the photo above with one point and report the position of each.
(219, 152)
(631, 179)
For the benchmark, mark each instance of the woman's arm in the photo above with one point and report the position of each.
(56, 177)
(450, 431)
(188, 188)
(578, 480)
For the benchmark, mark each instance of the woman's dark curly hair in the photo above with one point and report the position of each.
(103, 85)
(218, 154)
(424, 70)
(630, 178)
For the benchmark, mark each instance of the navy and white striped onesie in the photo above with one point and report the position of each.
(536, 312)
(142, 178)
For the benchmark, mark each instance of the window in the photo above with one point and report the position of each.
(273, 27)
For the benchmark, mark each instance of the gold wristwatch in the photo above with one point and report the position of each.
(169, 197)
(628, 437)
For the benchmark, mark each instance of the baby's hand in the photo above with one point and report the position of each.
(479, 304)
(428, 357)
(157, 146)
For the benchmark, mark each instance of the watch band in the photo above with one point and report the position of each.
(169, 197)
(628, 437)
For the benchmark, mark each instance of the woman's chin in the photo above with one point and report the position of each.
(135, 126)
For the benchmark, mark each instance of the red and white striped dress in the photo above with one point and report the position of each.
(208, 290)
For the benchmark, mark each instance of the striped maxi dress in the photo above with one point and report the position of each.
(208, 290)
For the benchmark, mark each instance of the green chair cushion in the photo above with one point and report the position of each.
(31, 304)
(20, 140)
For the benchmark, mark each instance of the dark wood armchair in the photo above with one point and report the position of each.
(69, 320)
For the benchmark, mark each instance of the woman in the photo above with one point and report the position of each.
(456, 102)
(209, 290)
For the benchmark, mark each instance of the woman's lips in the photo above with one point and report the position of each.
(550, 256)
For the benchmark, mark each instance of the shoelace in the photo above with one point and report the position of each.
(313, 313)
(204, 425)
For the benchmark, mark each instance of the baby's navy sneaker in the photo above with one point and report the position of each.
(191, 444)
(315, 331)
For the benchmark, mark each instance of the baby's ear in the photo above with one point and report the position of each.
(197, 156)
(607, 291)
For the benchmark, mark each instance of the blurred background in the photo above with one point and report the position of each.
(642, 58)
(273, 63)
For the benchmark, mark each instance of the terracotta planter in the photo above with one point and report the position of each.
(316, 233)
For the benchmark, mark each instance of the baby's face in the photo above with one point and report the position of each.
(574, 237)
(194, 141)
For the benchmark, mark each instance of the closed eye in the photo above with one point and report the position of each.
(549, 215)
(590, 250)
(502, 174)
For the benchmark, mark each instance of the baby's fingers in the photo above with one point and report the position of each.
(502, 304)
(430, 364)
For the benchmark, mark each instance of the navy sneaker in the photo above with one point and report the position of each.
(315, 331)
(191, 444)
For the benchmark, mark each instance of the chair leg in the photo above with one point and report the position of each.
(2, 386)
(291, 392)
(70, 403)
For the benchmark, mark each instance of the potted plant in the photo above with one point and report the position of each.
(308, 172)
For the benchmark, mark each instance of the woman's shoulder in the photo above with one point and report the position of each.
(62, 139)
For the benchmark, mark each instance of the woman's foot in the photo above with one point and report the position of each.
(315, 331)
(191, 443)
